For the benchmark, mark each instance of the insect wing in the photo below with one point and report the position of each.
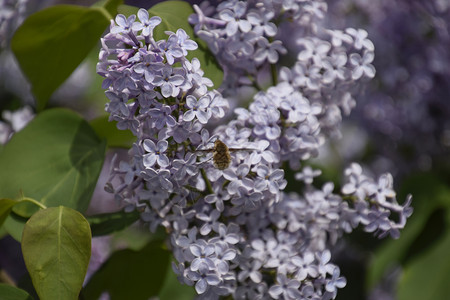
(204, 150)
(221, 154)
(240, 149)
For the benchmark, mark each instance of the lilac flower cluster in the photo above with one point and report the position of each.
(406, 108)
(162, 98)
(240, 36)
(328, 67)
(233, 231)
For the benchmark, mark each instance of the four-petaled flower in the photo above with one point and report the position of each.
(147, 24)
(123, 24)
(155, 153)
(274, 180)
(197, 108)
(169, 82)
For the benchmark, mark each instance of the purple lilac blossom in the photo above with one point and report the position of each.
(229, 226)
(330, 65)
(405, 108)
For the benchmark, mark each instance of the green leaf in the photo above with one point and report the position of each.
(128, 10)
(136, 237)
(26, 284)
(174, 15)
(56, 160)
(130, 274)
(56, 247)
(428, 276)
(3, 232)
(8, 292)
(14, 225)
(111, 6)
(51, 43)
(173, 289)
(104, 224)
(392, 252)
(430, 195)
(5, 208)
(114, 137)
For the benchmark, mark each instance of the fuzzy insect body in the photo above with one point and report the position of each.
(221, 154)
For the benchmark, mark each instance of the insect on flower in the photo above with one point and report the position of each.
(221, 154)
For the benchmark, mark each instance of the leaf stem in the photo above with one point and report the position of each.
(35, 202)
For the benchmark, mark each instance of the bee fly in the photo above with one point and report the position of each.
(221, 154)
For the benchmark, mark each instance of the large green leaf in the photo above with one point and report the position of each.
(174, 15)
(431, 197)
(3, 232)
(174, 290)
(8, 292)
(130, 274)
(6, 206)
(56, 160)
(14, 225)
(109, 5)
(427, 277)
(392, 252)
(51, 43)
(136, 237)
(56, 247)
(104, 224)
(114, 137)
(26, 284)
